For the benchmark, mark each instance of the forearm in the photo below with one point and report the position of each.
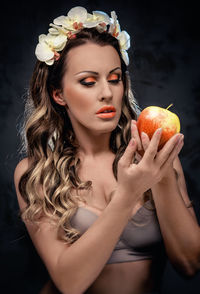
(82, 262)
(180, 231)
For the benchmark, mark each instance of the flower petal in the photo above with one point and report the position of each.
(43, 52)
(91, 24)
(57, 29)
(59, 41)
(113, 16)
(59, 20)
(101, 29)
(53, 31)
(101, 16)
(49, 62)
(124, 40)
(78, 14)
(42, 38)
(125, 56)
(114, 25)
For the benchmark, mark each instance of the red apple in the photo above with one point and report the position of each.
(154, 117)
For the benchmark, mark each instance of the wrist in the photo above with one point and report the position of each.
(169, 176)
(126, 200)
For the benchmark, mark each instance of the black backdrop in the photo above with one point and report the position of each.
(165, 68)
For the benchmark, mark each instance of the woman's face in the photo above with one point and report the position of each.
(93, 80)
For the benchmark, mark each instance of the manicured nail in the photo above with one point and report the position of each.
(159, 131)
(143, 134)
(179, 145)
(132, 142)
(180, 139)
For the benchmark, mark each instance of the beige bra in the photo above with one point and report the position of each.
(140, 239)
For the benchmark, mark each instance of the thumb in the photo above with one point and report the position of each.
(129, 153)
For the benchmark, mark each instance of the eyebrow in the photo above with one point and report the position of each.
(96, 73)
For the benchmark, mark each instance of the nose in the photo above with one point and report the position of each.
(106, 92)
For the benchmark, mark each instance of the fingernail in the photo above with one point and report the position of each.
(180, 138)
(179, 146)
(132, 143)
(143, 134)
(159, 131)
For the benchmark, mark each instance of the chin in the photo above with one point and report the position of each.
(107, 128)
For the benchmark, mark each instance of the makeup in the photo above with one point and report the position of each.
(106, 114)
(107, 111)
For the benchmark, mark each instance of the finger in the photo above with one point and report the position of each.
(135, 134)
(145, 140)
(138, 157)
(180, 146)
(151, 150)
(129, 153)
(173, 154)
(170, 147)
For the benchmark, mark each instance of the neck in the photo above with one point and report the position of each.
(92, 145)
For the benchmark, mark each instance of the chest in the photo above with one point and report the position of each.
(103, 185)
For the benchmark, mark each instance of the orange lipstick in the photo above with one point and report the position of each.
(107, 111)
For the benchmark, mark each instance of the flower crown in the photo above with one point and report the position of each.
(66, 27)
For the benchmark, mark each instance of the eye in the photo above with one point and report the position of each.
(88, 81)
(114, 78)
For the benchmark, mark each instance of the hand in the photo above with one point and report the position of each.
(144, 143)
(138, 178)
(135, 134)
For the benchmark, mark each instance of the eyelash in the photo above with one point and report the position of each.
(89, 84)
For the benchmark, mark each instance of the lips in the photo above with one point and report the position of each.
(106, 109)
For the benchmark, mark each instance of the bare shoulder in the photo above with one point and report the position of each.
(20, 169)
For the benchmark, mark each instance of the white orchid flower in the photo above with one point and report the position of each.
(98, 17)
(48, 47)
(125, 56)
(78, 13)
(114, 26)
(124, 42)
(57, 30)
(44, 53)
(74, 19)
(55, 42)
(90, 22)
(103, 20)
(101, 16)
(53, 31)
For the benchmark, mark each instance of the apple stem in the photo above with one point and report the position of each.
(169, 106)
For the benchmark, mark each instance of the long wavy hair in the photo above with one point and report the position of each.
(48, 141)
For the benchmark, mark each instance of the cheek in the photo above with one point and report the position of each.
(76, 97)
(120, 94)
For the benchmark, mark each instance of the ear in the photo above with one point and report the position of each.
(58, 97)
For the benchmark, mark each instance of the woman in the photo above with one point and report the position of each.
(96, 210)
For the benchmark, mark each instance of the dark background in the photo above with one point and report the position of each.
(165, 69)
